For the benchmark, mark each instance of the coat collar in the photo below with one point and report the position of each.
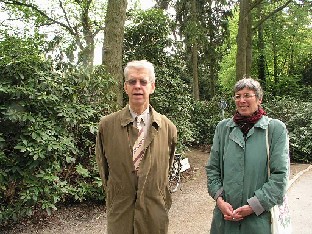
(126, 117)
(236, 134)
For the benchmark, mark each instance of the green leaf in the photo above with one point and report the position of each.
(82, 171)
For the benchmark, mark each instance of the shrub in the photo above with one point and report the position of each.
(297, 115)
(171, 98)
(206, 116)
(47, 132)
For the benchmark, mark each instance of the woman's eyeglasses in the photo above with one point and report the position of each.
(133, 82)
(237, 97)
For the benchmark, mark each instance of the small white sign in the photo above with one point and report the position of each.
(185, 164)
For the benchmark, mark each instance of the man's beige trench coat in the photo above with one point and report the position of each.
(136, 202)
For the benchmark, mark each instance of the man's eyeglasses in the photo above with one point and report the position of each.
(133, 82)
(237, 97)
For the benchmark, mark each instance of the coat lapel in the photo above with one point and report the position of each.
(155, 124)
(236, 135)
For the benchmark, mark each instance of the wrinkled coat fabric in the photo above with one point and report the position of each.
(239, 165)
(136, 202)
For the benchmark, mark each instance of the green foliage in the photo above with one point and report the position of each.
(284, 85)
(147, 36)
(206, 116)
(47, 131)
(203, 28)
(172, 99)
(296, 114)
(227, 73)
(307, 71)
(288, 46)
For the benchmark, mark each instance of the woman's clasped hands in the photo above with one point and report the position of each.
(233, 215)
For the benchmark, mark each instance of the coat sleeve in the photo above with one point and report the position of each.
(273, 191)
(214, 165)
(100, 157)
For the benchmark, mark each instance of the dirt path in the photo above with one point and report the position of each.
(191, 211)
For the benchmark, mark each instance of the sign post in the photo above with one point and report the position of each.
(222, 106)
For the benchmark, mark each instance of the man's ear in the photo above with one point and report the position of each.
(153, 87)
(125, 87)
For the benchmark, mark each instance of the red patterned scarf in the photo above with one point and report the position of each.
(245, 123)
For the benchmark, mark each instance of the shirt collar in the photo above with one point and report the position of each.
(143, 115)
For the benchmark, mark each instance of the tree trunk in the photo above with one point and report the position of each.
(261, 56)
(242, 40)
(212, 54)
(275, 66)
(249, 44)
(291, 66)
(195, 71)
(163, 4)
(113, 43)
(87, 52)
(212, 78)
(195, 54)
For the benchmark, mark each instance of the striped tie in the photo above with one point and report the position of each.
(138, 147)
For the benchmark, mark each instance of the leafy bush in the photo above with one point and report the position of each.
(47, 131)
(297, 115)
(172, 99)
(206, 116)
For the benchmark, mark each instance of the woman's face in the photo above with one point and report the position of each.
(246, 102)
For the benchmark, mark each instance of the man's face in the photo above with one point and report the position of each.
(138, 88)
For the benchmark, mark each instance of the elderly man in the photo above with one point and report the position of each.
(134, 150)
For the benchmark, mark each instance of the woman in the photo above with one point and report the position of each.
(237, 169)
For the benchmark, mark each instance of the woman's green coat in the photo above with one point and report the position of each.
(238, 167)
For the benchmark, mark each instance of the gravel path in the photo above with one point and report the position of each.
(191, 210)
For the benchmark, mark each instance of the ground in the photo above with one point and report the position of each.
(191, 210)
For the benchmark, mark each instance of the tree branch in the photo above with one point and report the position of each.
(255, 4)
(65, 15)
(272, 13)
(42, 13)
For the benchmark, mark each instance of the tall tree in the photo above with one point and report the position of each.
(287, 46)
(187, 18)
(217, 14)
(261, 49)
(194, 49)
(245, 32)
(202, 25)
(113, 43)
(243, 58)
(80, 20)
